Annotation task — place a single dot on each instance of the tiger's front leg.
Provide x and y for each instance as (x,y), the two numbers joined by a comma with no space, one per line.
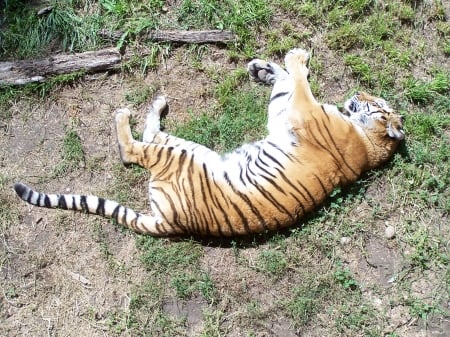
(303,101)
(125,138)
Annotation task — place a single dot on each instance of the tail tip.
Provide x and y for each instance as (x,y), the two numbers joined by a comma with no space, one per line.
(21,189)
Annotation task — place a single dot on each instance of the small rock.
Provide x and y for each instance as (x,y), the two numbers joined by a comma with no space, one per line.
(345,240)
(45,10)
(389,232)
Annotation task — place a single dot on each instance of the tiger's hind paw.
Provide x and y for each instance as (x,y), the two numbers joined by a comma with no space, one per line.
(123,115)
(158,106)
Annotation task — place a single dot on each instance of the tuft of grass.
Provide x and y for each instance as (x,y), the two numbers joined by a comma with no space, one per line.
(420,91)
(359,68)
(72,154)
(272,262)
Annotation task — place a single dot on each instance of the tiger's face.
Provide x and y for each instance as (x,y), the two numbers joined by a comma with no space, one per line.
(373,113)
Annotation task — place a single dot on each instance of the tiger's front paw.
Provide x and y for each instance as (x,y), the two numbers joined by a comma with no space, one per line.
(296,61)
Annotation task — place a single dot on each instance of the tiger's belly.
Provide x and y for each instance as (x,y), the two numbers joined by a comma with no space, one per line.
(218,209)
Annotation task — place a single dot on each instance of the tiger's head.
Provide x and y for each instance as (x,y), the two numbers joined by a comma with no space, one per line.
(375,116)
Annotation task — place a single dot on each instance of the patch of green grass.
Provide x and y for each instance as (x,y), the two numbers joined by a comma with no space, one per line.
(186,284)
(307,300)
(279,42)
(212,323)
(72,154)
(359,68)
(162,254)
(272,262)
(420,91)
(241,17)
(140,94)
(239,116)
(62,28)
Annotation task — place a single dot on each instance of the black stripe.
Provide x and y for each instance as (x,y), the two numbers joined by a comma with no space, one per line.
(286,180)
(101,207)
(115,213)
(325,113)
(124,216)
(307,192)
(158,156)
(30,195)
(222,210)
(244,219)
(337,150)
(262,168)
(205,204)
(83,204)
(168,163)
(325,148)
(247,200)
(176,222)
(325,192)
(47,202)
(272,158)
(276,147)
(278,95)
(213,198)
(62,202)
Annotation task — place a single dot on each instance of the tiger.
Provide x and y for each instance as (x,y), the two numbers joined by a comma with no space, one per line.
(309,150)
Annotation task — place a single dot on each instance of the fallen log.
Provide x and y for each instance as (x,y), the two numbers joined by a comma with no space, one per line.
(28,71)
(188,36)
(181,36)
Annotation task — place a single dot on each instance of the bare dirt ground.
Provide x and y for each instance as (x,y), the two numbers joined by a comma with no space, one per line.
(57,279)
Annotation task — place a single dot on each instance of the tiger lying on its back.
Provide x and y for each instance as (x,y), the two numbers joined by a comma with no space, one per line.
(311,148)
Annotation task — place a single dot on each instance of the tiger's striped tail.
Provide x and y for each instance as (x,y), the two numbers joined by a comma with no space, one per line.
(138,222)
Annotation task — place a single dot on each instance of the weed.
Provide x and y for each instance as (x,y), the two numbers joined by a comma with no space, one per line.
(418,308)
(212,322)
(357,318)
(272,262)
(344,278)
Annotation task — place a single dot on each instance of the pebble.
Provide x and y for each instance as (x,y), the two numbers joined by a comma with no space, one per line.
(345,240)
(389,232)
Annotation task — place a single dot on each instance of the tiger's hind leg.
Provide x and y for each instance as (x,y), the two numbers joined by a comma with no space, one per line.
(153,120)
(272,74)
(152,130)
